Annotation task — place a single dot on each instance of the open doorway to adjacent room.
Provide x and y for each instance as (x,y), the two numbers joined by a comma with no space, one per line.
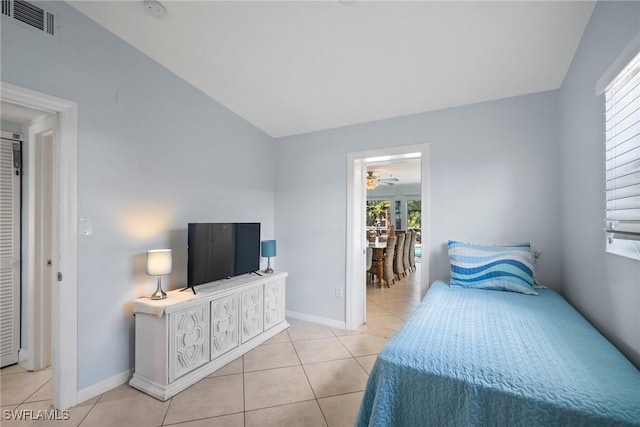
(28,229)
(388,193)
(38,244)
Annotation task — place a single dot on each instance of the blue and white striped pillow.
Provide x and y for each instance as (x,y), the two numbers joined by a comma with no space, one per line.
(502,268)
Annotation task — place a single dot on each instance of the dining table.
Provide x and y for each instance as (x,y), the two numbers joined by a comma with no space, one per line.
(378,248)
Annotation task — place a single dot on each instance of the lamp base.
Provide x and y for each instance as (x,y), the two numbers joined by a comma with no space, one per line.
(159,293)
(268,270)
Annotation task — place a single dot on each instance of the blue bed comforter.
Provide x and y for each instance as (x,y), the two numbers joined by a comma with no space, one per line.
(471,357)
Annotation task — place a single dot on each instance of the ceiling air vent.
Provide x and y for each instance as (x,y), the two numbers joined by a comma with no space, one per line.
(28,14)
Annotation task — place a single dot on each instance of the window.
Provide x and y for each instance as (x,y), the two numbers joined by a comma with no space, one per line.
(414,212)
(378,218)
(622,167)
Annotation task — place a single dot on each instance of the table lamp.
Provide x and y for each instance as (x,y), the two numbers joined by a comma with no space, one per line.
(268,251)
(158,264)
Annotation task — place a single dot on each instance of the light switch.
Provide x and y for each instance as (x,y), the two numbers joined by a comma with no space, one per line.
(86,227)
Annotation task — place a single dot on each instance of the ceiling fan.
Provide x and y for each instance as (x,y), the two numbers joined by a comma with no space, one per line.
(373,181)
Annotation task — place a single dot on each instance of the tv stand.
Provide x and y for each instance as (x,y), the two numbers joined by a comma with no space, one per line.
(185,337)
(256,273)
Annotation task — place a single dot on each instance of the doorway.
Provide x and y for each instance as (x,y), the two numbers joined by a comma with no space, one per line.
(28,170)
(357,238)
(55,136)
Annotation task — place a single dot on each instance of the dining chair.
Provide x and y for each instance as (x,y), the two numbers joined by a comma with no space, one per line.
(405,254)
(398,265)
(387,266)
(412,251)
(369,263)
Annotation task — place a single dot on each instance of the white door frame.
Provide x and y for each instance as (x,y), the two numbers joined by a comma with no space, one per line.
(40,237)
(356,302)
(64,324)
(356,236)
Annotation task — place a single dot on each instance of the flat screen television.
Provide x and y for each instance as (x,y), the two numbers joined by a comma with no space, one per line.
(221,251)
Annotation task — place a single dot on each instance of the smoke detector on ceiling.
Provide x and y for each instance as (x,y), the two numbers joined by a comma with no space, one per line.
(155,9)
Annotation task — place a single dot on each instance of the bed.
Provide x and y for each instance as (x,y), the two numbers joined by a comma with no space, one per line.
(476,357)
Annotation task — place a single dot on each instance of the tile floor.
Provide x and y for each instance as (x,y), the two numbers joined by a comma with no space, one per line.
(308,375)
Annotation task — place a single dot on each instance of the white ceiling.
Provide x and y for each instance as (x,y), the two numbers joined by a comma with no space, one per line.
(403,167)
(299,66)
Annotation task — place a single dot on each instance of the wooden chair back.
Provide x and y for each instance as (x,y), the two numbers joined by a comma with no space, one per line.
(398,265)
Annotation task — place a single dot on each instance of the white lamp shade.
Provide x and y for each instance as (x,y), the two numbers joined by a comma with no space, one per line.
(159,262)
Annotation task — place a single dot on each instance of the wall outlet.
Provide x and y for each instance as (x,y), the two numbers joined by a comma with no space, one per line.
(339,292)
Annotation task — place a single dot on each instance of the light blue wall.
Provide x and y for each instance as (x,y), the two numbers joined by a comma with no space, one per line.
(168,156)
(494,179)
(605,288)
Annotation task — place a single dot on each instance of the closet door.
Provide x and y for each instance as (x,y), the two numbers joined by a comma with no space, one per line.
(9,250)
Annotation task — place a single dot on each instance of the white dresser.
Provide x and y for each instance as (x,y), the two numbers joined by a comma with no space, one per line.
(186,337)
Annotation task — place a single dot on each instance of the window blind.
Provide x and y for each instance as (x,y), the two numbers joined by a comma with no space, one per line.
(622,167)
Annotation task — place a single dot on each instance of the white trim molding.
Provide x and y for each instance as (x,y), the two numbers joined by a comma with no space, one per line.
(315,319)
(103,386)
(38,279)
(618,65)
(23,358)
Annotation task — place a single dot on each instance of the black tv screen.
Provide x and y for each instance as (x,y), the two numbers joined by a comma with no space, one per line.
(221,250)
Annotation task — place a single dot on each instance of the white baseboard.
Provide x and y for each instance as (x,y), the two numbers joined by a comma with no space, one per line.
(106,385)
(23,360)
(316,319)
